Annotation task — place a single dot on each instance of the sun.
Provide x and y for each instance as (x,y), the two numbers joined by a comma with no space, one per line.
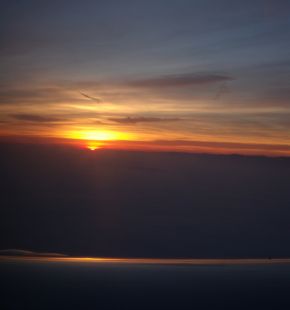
(93,145)
(97,139)
(98,135)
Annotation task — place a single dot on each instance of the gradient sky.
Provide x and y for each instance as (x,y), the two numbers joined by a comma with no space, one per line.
(209,76)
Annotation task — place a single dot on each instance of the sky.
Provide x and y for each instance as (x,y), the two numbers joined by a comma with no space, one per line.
(164,79)
(189,76)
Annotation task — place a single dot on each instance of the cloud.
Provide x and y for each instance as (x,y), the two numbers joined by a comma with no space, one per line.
(35,95)
(98,100)
(34,118)
(135,120)
(226,145)
(111,91)
(17,252)
(180,80)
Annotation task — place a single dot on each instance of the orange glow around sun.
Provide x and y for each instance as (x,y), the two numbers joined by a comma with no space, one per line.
(97,135)
(96,139)
(94,145)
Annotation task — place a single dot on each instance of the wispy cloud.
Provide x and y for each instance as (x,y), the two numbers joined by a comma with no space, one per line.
(36,95)
(35,118)
(98,100)
(135,120)
(17,252)
(112,91)
(180,80)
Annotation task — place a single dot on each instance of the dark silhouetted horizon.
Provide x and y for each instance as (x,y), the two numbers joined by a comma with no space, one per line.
(136,204)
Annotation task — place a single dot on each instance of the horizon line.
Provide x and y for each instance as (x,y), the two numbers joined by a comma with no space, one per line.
(151,261)
(161,146)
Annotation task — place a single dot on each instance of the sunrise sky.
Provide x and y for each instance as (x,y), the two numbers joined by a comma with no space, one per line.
(149,129)
(148,75)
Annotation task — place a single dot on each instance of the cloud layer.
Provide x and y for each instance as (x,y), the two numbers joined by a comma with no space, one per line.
(180,80)
(17,252)
(35,118)
(142,119)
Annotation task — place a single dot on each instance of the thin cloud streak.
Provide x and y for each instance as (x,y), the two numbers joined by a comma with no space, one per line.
(35,118)
(136,120)
(26,253)
(180,80)
(98,100)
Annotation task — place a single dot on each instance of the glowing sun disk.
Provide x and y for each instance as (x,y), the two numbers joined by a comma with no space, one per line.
(94,145)
(98,135)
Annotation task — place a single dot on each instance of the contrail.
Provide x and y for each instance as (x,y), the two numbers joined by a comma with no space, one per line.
(98,100)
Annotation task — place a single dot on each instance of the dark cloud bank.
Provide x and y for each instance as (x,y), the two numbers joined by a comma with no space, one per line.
(180,80)
(34,118)
(130,204)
